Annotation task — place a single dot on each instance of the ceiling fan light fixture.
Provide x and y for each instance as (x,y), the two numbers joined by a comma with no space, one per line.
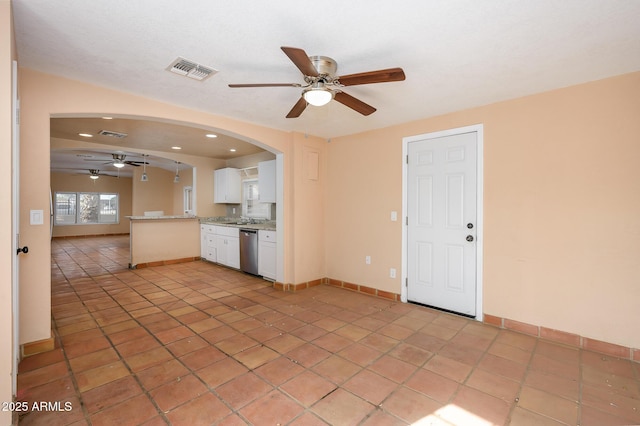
(94,177)
(118,164)
(317,94)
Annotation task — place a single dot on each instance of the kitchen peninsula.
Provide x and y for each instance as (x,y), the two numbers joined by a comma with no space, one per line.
(157,240)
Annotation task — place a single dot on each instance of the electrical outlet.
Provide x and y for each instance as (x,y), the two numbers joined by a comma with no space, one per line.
(367,260)
(392,273)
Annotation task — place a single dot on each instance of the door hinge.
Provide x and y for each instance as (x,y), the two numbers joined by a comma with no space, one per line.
(406,220)
(406,282)
(407,159)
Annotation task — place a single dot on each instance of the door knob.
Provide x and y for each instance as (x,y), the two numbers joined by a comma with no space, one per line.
(24,250)
(470,225)
(469,238)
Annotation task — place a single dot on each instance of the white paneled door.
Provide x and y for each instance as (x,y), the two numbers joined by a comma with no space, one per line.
(441,228)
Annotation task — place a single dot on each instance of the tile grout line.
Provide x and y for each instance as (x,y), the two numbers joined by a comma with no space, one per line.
(120,357)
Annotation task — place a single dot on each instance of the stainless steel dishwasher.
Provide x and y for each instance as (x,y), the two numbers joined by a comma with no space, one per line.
(249,251)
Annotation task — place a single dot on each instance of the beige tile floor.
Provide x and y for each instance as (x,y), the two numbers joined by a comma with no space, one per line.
(199,344)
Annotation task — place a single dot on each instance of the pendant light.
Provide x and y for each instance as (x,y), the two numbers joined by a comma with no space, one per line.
(144,177)
(176,179)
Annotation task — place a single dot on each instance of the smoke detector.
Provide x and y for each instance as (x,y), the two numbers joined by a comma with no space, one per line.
(191,69)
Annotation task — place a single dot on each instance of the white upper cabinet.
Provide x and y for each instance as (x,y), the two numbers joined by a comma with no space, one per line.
(267,181)
(227,186)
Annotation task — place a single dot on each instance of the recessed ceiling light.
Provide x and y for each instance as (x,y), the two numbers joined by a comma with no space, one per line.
(85,135)
(176,147)
(211,135)
(107,118)
(232,150)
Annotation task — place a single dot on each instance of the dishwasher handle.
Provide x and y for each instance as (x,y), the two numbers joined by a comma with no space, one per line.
(249,231)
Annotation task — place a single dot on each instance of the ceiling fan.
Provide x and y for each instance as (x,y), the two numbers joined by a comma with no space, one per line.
(92,173)
(95,174)
(118,161)
(322,84)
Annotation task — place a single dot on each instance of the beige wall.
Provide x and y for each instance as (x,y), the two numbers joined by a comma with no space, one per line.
(308,198)
(160,193)
(155,194)
(81,183)
(7,54)
(561,207)
(154,240)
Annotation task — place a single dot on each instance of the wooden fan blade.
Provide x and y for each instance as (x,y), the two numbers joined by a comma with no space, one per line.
(266,85)
(301,60)
(380,76)
(354,103)
(297,108)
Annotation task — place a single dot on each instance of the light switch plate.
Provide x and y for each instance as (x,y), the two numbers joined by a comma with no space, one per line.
(394,216)
(36,217)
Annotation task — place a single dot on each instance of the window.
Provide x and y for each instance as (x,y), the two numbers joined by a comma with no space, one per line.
(251,205)
(188,200)
(73,208)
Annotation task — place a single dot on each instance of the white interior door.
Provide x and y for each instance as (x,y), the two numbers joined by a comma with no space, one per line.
(15,217)
(442,225)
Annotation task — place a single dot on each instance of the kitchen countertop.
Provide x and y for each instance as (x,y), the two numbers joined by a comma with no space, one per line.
(161,217)
(236,223)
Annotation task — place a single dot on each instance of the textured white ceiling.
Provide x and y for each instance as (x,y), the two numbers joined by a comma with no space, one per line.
(456,54)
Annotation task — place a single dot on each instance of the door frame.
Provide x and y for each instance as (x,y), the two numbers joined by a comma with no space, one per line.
(15,219)
(479,130)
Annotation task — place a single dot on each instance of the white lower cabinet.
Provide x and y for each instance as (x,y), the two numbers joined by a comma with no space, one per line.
(208,243)
(228,246)
(221,244)
(267,254)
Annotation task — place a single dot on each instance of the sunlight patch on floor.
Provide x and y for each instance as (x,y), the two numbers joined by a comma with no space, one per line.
(452,415)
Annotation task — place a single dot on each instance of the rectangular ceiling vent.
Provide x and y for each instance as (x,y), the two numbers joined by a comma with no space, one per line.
(190,69)
(112,134)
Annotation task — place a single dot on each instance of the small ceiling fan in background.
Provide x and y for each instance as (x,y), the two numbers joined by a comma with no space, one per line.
(95,174)
(119,161)
(92,173)
(322,84)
